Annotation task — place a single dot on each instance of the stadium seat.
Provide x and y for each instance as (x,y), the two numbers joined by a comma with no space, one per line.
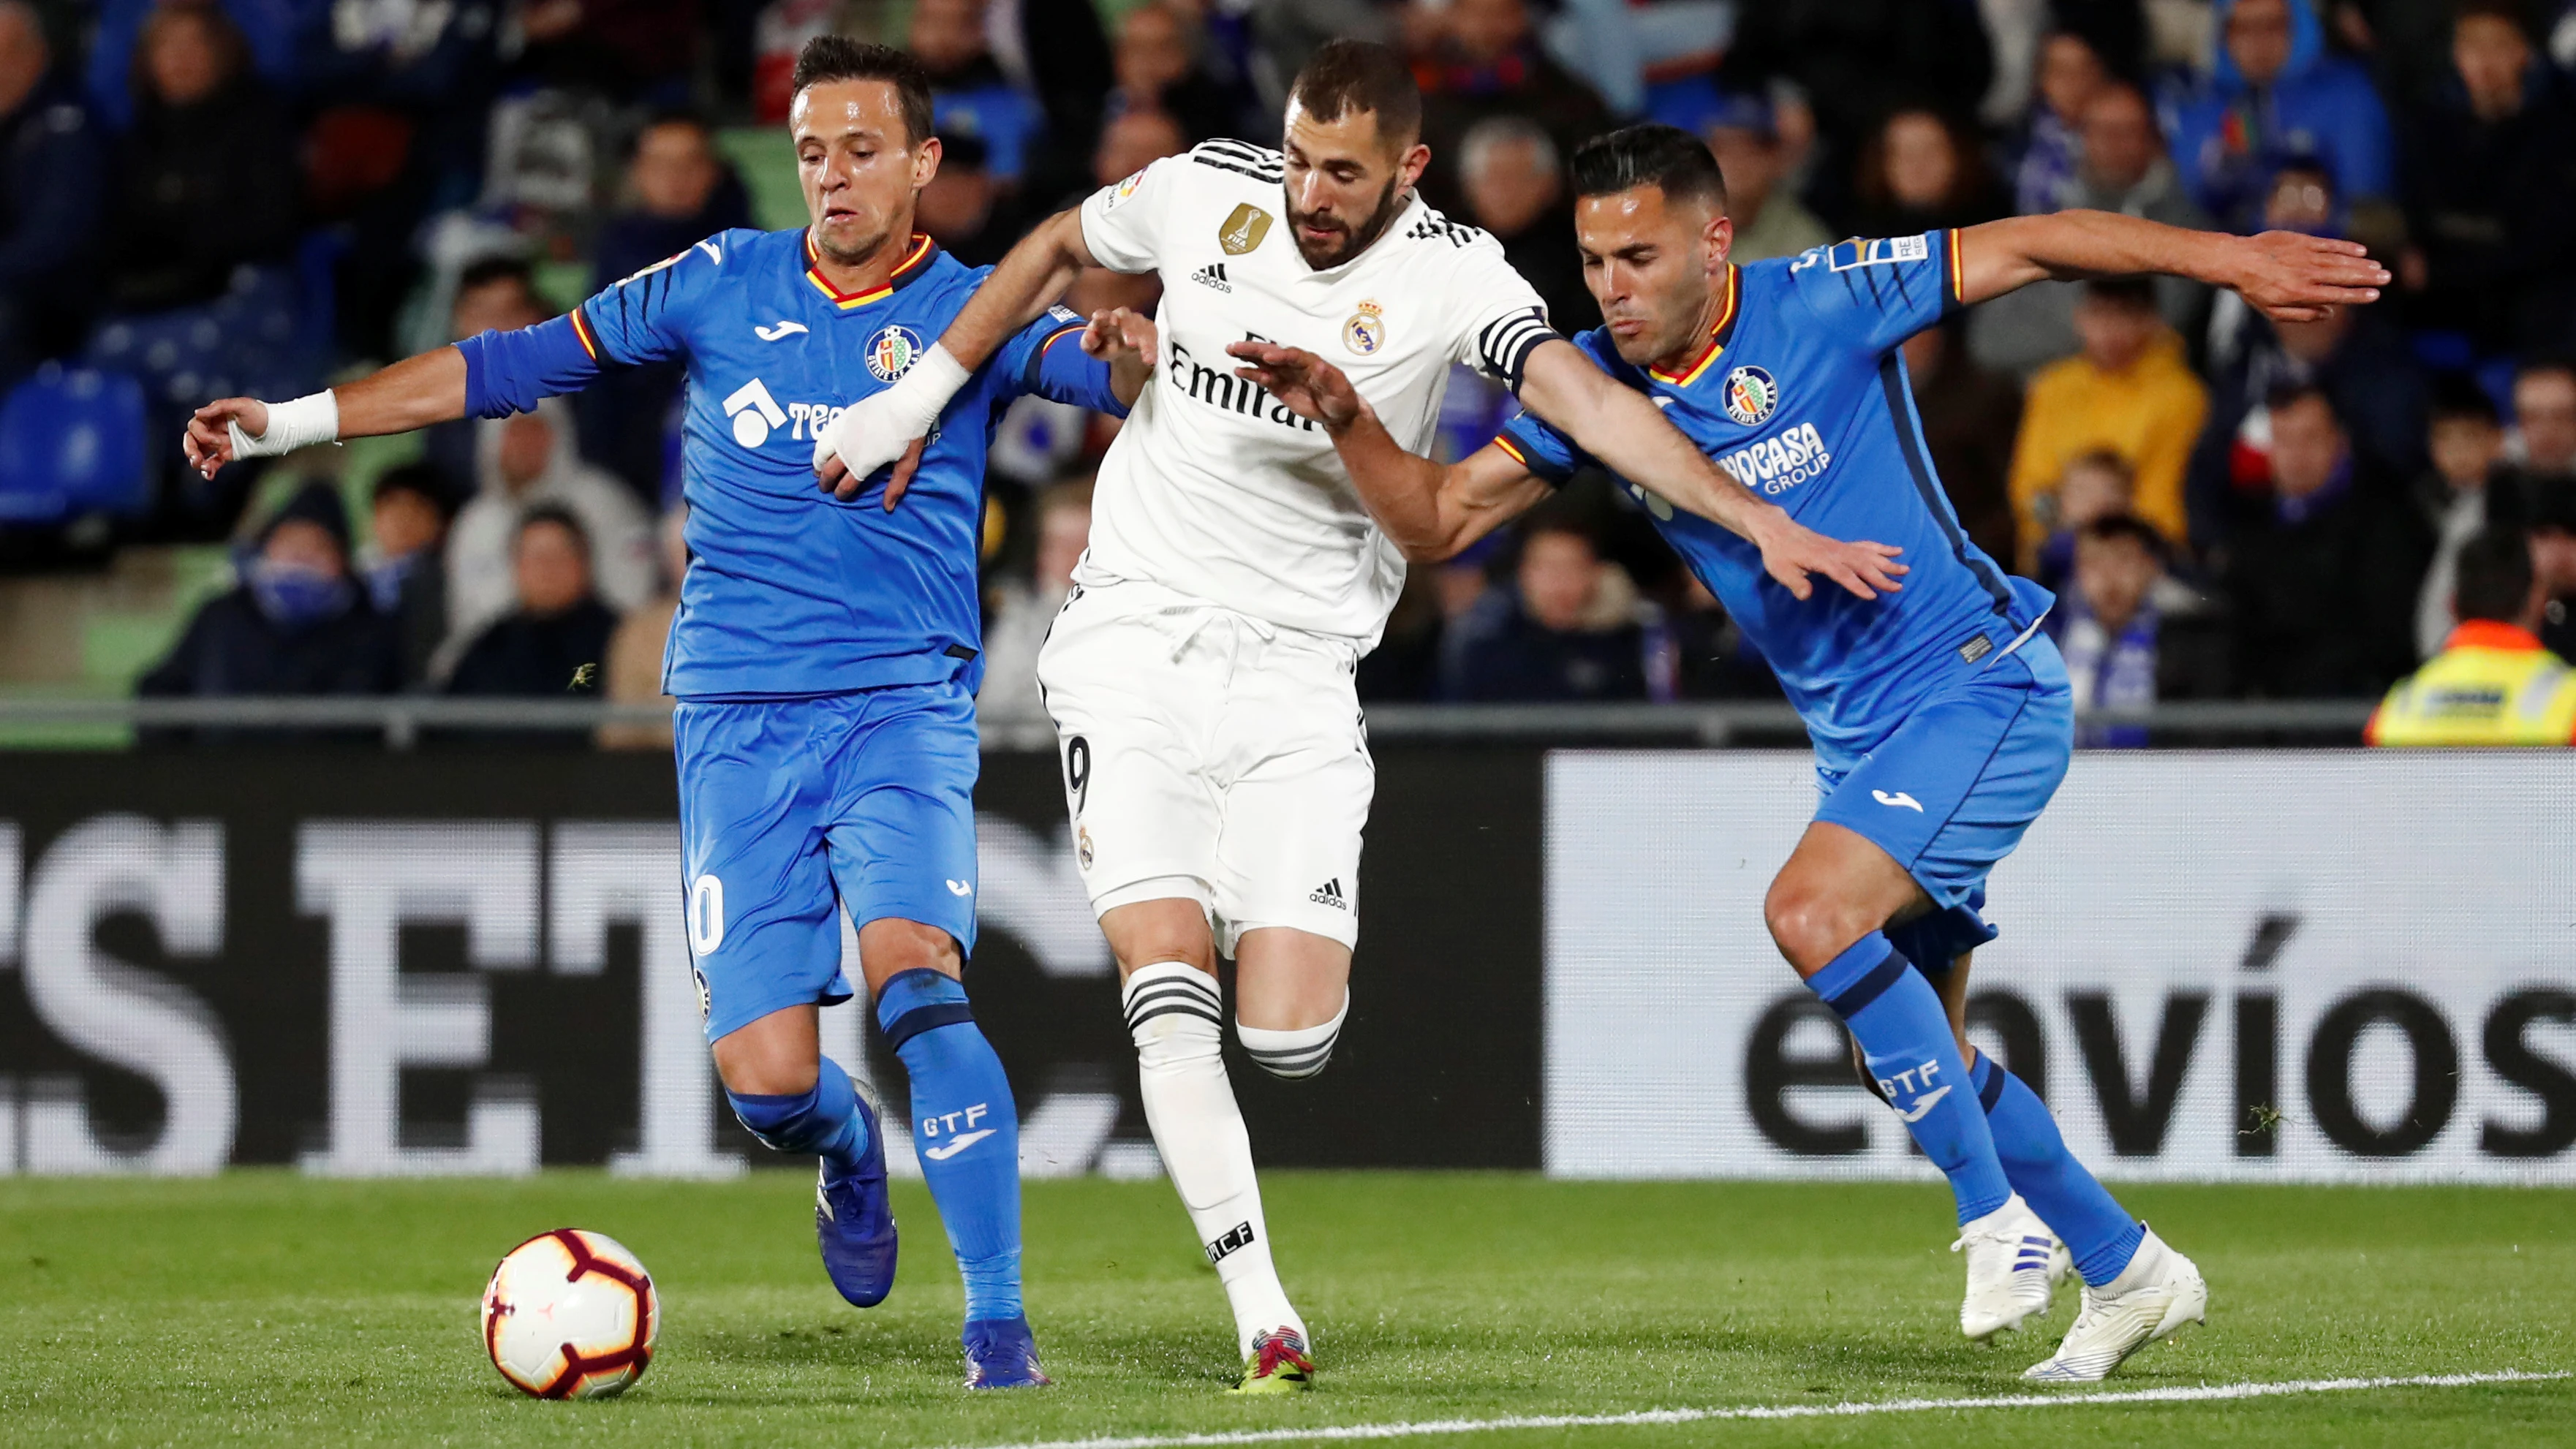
(72,442)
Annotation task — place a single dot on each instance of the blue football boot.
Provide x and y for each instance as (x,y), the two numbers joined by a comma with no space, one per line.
(854,1221)
(1000,1354)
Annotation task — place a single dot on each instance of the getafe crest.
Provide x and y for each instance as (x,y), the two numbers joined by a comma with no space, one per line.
(891,352)
(1751,395)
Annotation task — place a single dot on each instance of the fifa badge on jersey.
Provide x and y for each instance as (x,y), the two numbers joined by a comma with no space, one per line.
(892,351)
(1082,846)
(1751,395)
(1244,228)
(1365,333)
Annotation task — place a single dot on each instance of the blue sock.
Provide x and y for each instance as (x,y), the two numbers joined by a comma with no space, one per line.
(823,1120)
(1896,1016)
(2098,1231)
(966,1131)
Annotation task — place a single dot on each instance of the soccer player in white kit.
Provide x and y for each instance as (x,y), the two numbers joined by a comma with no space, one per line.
(1200,675)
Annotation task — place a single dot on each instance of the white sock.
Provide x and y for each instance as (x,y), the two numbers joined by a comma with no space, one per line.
(1177,1019)
(1297,1054)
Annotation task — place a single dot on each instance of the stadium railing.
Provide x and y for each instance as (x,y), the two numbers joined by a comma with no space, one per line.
(401,720)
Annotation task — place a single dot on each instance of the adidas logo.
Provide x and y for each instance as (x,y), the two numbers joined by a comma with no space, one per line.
(1330,894)
(1212,275)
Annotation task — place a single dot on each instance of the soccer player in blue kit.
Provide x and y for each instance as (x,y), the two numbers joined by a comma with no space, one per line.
(825,653)
(1940,714)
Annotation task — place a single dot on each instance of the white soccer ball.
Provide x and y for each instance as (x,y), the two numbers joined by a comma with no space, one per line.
(571,1315)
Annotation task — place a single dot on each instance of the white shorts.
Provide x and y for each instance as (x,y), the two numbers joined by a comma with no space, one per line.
(1209,756)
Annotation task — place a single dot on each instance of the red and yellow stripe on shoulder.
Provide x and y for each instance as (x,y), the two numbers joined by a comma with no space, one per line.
(1505,443)
(1954,276)
(581,330)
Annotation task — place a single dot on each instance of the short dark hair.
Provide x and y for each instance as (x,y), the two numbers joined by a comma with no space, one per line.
(2458,396)
(1360,75)
(2540,362)
(2290,394)
(2495,575)
(2508,11)
(2112,526)
(1649,155)
(2137,294)
(423,480)
(556,514)
(838,58)
(498,268)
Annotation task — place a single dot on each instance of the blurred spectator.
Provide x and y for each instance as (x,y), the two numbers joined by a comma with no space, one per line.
(2364,366)
(2274,93)
(1970,417)
(553,640)
(2542,447)
(1017,613)
(1158,68)
(270,29)
(2124,169)
(1058,55)
(1646,59)
(1128,144)
(51,185)
(2052,144)
(2131,633)
(2457,499)
(297,624)
(1515,189)
(2553,563)
(2322,568)
(1852,59)
(206,178)
(1565,628)
(2128,391)
(2493,683)
(522,462)
(2095,486)
(970,96)
(1920,171)
(1744,134)
(680,192)
(1487,63)
(405,562)
(2301,199)
(1705,654)
(2491,181)
(496,294)
(967,208)
(643,638)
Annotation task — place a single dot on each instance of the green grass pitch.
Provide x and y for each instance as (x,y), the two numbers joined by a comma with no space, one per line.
(267,1308)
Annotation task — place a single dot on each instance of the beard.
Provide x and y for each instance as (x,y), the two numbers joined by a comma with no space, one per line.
(1353,241)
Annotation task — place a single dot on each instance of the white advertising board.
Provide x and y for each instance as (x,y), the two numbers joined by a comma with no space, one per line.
(2291,966)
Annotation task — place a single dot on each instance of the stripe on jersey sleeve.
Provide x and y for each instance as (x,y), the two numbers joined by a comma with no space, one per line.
(1504,346)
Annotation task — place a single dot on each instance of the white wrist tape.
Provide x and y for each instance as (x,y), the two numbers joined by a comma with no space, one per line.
(300,423)
(936,378)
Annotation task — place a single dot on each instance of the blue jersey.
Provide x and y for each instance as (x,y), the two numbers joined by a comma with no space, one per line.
(1800,393)
(792,593)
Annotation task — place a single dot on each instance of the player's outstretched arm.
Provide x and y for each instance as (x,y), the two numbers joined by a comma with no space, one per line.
(881,429)
(413,393)
(2290,276)
(1427,510)
(1621,427)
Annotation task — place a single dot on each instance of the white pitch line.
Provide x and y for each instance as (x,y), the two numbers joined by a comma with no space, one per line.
(1424,1427)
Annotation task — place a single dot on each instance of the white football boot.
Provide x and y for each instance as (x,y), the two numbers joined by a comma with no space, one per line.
(2010,1254)
(2157,1293)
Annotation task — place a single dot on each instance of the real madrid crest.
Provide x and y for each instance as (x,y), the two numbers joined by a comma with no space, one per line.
(892,351)
(1244,228)
(1365,333)
(1750,395)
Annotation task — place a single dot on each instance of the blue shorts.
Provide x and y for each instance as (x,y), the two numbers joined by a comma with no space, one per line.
(1951,791)
(791,809)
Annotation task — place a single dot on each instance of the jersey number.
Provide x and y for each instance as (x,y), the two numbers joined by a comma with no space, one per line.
(706,915)
(1077,771)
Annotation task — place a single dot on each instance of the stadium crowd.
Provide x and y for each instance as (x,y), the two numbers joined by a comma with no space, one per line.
(221,196)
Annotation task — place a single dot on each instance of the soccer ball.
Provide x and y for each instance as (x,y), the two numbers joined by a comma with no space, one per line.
(571,1315)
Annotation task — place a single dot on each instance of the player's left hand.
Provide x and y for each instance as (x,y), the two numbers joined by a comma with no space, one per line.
(1117,332)
(1791,552)
(2293,277)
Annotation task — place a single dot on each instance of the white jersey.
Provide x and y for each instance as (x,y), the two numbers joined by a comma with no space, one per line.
(1214,489)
